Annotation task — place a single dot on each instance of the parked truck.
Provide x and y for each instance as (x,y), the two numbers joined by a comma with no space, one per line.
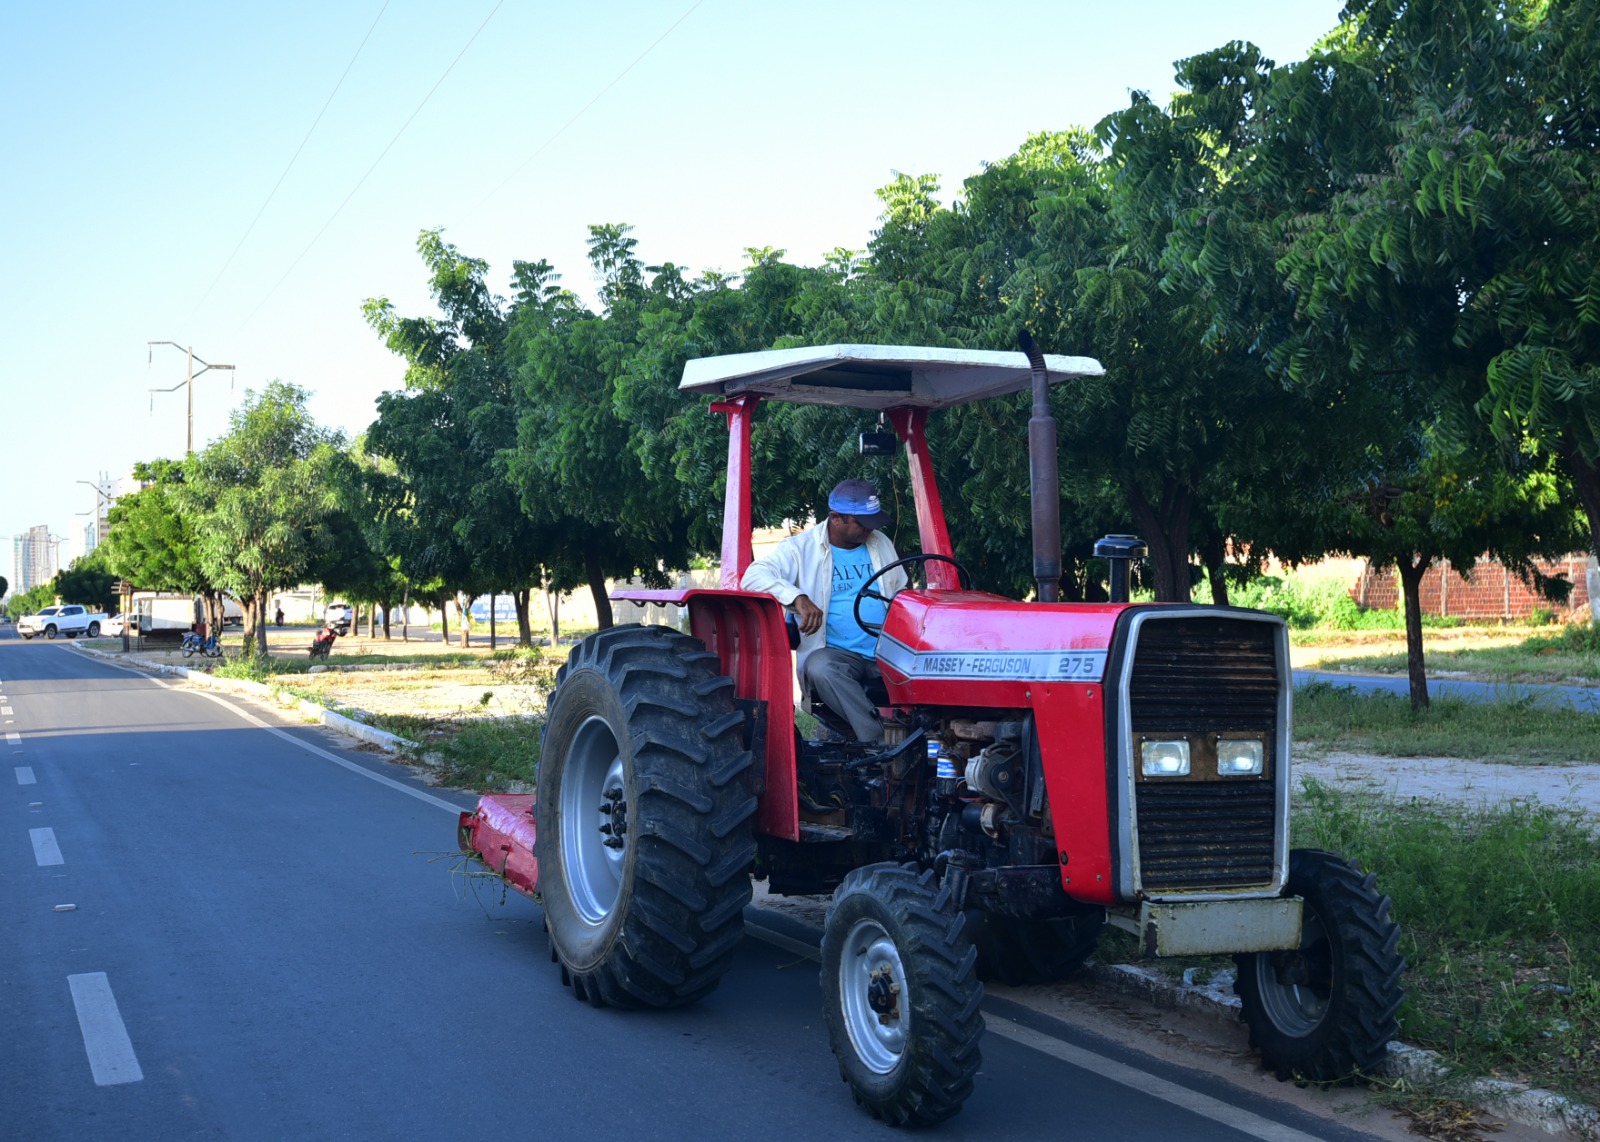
(155,612)
(68,621)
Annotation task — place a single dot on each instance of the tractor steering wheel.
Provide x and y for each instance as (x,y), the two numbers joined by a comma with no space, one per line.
(963,577)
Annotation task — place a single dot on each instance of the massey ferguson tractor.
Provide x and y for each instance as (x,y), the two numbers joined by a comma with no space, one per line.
(1048,768)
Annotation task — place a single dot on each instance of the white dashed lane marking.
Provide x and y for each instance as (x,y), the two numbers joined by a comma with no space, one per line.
(105,1038)
(25,775)
(13,738)
(45,849)
(6,710)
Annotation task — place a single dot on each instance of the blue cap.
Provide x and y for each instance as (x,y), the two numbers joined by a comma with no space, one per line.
(860,499)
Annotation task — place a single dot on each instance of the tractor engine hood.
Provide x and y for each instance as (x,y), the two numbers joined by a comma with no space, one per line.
(971,648)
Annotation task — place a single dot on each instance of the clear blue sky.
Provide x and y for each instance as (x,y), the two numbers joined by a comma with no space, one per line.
(141,140)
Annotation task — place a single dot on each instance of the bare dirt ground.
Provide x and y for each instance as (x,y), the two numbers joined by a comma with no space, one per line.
(1457,780)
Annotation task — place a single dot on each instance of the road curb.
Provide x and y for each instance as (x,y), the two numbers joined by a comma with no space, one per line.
(311,711)
(1528,1106)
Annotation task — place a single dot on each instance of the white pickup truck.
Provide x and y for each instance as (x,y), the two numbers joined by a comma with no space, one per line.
(65,621)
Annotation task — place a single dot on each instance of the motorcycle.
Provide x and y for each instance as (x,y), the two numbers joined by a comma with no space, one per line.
(322,644)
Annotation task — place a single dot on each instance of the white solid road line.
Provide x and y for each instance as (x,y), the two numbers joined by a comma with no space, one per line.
(1146,1083)
(45,849)
(25,775)
(105,1038)
(1193,1101)
(335,758)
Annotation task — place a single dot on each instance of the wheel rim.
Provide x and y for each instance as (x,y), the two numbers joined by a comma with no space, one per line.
(873,995)
(593,821)
(1295,987)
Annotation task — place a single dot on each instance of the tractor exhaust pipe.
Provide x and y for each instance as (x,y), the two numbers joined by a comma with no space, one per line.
(1044,479)
(1120,551)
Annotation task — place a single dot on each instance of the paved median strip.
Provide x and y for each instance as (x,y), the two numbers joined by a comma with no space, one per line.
(45,849)
(25,775)
(105,1037)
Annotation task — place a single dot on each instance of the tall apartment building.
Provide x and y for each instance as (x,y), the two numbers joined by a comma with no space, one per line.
(33,558)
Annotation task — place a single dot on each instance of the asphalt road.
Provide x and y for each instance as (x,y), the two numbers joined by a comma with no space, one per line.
(1585,698)
(220,924)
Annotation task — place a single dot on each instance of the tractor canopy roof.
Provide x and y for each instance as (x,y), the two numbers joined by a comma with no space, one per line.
(875,376)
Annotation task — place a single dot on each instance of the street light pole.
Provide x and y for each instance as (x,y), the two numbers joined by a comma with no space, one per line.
(189,349)
(103,494)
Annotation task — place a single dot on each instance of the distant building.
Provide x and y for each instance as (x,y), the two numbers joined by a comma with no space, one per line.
(33,558)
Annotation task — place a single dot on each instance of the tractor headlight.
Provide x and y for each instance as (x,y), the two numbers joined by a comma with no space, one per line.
(1240,757)
(1164,758)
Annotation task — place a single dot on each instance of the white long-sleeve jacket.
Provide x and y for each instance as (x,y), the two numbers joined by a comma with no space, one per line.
(803,565)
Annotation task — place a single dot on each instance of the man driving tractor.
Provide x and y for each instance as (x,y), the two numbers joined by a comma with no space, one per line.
(817,574)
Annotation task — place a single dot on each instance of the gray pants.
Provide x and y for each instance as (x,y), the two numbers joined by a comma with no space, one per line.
(839,677)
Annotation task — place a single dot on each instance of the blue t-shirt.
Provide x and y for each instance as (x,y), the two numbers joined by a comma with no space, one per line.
(851,568)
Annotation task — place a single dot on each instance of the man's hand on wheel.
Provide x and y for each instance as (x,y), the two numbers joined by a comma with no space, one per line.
(810,615)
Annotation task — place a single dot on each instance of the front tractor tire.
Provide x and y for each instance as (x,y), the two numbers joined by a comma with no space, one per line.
(900,995)
(1326,1011)
(643,814)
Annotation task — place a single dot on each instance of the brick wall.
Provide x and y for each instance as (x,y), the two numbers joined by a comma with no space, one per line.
(1489,593)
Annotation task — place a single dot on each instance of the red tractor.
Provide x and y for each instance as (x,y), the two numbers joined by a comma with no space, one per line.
(1048,768)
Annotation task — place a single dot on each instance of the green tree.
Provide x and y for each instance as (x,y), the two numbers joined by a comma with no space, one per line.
(577,463)
(88,581)
(445,507)
(152,542)
(261,500)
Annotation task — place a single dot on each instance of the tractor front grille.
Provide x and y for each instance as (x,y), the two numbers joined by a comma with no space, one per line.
(1195,676)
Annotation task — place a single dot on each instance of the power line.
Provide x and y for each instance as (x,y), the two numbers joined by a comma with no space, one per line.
(290,166)
(562,129)
(340,209)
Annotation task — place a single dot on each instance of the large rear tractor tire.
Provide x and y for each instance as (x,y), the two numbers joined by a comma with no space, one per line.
(643,815)
(1326,1010)
(1018,953)
(900,995)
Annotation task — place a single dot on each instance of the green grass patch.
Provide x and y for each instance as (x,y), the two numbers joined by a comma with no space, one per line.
(1565,654)
(1513,731)
(485,754)
(1500,913)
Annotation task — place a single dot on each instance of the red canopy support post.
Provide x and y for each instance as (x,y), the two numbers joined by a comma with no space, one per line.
(910,425)
(737,553)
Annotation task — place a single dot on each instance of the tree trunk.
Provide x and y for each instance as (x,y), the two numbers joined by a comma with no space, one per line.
(519,599)
(553,603)
(444,618)
(1214,552)
(464,619)
(494,632)
(387,616)
(405,616)
(597,588)
(258,617)
(1411,569)
(1165,530)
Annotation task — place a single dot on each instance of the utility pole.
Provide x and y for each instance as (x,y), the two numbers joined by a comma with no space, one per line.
(189,349)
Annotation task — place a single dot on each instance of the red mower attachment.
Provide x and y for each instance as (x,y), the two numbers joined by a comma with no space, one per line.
(500,834)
